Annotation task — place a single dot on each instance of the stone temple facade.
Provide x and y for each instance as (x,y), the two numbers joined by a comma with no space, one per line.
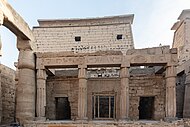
(182,43)
(85,35)
(86,72)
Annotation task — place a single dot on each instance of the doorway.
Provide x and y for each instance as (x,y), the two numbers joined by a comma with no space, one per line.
(63,109)
(146,108)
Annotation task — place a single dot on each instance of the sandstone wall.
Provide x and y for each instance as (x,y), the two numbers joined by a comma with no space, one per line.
(140,86)
(7,91)
(147,86)
(103,86)
(182,41)
(61,87)
(96,34)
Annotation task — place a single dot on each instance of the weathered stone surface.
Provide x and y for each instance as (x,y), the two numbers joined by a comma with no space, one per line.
(96,34)
(179,123)
(62,87)
(7,94)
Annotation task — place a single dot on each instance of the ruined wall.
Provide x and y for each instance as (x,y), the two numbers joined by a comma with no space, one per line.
(7,90)
(96,34)
(140,86)
(147,86)
(182,41)
(103,86)
(61,87)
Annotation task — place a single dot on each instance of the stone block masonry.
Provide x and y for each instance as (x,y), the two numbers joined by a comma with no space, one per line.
(7,94)
(85,35)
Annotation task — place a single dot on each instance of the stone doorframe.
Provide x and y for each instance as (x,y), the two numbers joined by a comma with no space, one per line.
(82,61)
(25,92)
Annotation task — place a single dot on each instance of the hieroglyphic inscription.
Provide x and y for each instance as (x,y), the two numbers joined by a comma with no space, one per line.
(160,59)
(138,59)
(96,60)
(63,61)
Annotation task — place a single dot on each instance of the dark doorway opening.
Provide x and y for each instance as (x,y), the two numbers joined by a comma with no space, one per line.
(146,108)
(63,109)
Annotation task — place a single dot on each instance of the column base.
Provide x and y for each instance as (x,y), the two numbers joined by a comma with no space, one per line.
(170,119)
(123,120)
(42,119)
(82,120)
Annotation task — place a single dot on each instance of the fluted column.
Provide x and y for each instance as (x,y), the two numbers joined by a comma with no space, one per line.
(25,108)
(170,92)
(41,94)
(124,93)
(82,94)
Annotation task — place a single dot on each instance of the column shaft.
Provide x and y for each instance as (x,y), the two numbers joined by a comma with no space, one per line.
(171,92)
(25,92)
(41,93)
(82,94)
(124,93)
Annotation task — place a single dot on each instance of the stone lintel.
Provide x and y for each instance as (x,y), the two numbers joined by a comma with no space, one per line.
(14,22)
(41,74)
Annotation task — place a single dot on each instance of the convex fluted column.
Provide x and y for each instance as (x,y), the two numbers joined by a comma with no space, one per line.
(170,91)
(25,101)
(41,94)
(82,94)
(124,93)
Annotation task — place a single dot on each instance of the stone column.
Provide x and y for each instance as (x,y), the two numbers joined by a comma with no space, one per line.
(186,108)
(82,94)
(124,93)
(25,108)
(41,94)
(170,92)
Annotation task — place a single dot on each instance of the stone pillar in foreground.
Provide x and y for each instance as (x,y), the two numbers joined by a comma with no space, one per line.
(170,92)
(186,108)
(82,94)
(124,93)
(25,101)
(41,94)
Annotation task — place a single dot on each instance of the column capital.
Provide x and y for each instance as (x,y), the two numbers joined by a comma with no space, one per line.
(26,59)
(124,72)
(23,44)
(82,71)
(82,66)
(41,74)
(125,64)
(39,63)
(171,71)
(169,64)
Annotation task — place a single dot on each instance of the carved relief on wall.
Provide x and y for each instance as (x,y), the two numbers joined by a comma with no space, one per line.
(138,59)
(63,61)
(159,58)
(92,60)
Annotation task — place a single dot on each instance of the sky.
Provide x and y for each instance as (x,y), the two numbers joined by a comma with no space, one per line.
(153,19)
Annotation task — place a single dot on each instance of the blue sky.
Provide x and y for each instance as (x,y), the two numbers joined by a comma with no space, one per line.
(152,22)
